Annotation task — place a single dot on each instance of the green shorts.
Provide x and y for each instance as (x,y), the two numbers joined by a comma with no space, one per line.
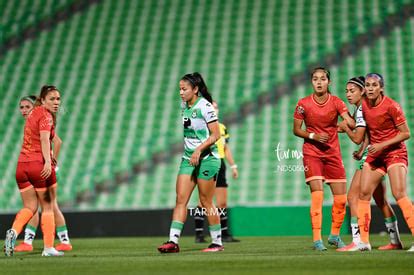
(207,168)
(361,162)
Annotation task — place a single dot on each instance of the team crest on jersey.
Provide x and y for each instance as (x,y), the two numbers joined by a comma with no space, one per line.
(300,110)
(194,114)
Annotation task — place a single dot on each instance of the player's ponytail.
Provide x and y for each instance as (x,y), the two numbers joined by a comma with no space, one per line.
(196,80)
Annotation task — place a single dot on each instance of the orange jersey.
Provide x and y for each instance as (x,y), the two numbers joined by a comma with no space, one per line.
(38,120)
(321,118)
(382,121)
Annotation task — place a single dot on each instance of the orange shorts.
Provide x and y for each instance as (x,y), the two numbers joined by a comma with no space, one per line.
(330,168)
(28,176)
(386,160)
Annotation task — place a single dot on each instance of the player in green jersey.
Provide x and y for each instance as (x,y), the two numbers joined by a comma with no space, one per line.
(200,162)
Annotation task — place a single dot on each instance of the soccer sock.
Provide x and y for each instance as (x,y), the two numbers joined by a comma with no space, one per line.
(392,228)
(408,212)
(29,234)
(199,221)
(175,231)
(63,235)
(356,238)
(215,233)
(338,213)
(364,219)
(223,222)
(48,229)
(316,214)
(22,217)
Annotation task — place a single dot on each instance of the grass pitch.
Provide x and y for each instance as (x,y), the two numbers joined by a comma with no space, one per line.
(253,255)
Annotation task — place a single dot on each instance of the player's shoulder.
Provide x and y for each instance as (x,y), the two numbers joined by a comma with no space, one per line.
(336,99)
(204,103)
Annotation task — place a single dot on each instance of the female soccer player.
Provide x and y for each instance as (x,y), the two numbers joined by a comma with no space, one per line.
(224,152)
(322,154)
(200,163)
(355,94)
(26,106)
(387,153)
(34,173)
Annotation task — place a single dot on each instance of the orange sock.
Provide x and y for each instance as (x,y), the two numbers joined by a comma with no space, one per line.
(22,217)
(338,213)
(408,211)
(364,219)
(48,229)
(316,214)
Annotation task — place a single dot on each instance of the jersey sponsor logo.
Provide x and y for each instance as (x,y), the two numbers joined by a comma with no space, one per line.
(194,114)
(205,172)
(300,110)
(186,122)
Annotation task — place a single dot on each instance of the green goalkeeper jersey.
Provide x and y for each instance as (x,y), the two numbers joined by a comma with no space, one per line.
(195,121)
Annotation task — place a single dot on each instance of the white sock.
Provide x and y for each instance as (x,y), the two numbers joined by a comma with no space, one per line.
(29,235)
(392,228)
(215,233)
(175,231)
(356,238)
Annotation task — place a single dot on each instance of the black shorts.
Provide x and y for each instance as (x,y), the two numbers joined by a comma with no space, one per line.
(221,178)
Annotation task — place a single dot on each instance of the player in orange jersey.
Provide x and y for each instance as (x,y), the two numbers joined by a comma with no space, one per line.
(387,153)
(26,106)
(321,153)
(355,93)
(35,175)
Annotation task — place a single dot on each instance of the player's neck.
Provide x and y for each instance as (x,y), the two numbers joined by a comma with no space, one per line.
(320,98)
(191,102)
(375,102)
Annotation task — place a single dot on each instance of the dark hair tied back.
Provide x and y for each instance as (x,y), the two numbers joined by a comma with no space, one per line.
(196,80)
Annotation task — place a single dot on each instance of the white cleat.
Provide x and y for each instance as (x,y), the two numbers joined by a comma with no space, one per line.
(52,252)
(10,242)
(364,246)
(411,249)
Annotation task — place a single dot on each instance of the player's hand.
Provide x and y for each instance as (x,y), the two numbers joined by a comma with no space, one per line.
(357,155)
(46,171)
(235,173)
(340,130)
(195,157)
(342,126)
(375,148)
(322,138)
(54,162)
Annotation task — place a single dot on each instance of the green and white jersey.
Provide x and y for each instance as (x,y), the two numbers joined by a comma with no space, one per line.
(195,120)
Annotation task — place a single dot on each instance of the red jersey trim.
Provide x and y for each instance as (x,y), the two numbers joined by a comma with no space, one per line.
(323,104)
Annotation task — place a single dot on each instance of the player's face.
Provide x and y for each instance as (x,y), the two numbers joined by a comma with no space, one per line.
(353,93)
(320,82)
(52,101)
(187,92)
(373,88)
(25,107)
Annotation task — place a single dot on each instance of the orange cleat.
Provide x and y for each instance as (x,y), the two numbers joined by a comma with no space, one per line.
(391,246)
(23,247)
(64,247)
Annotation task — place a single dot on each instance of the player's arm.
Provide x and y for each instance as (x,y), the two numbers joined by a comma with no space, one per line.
(404,134)
(214,136)
(357,135)
(299,132)
(57,143)
(45,145)
(358,154)
(349,120)
(229,157)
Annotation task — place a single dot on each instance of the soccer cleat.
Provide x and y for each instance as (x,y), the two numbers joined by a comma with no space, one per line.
(229,239)
(364,246)
(391,246)
(10,242)
(213,248)
(335,240)
(411,249)
(23,247)
(169,247)
(51,252)
(200,239)
(318,246)
(64,247)
(349,248)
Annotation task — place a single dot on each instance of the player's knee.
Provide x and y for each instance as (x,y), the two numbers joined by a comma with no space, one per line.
(399,193)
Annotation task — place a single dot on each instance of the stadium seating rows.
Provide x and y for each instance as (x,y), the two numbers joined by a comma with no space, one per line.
(118,64)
